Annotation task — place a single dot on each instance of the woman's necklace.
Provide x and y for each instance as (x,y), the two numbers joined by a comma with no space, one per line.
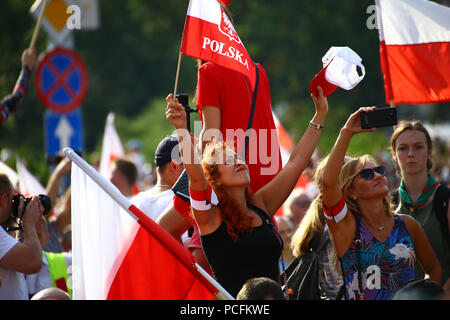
(380,227)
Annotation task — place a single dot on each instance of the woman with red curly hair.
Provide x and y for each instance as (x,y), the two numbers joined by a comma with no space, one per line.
(237,236)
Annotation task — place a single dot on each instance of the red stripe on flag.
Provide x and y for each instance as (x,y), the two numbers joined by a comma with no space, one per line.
(203,40)
(416,73)
(156,266)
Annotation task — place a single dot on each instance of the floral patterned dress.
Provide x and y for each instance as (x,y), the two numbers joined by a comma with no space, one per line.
(386,266)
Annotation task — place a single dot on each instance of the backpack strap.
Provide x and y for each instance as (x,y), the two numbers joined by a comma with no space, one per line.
(358,243)
(440,206)
(252,112)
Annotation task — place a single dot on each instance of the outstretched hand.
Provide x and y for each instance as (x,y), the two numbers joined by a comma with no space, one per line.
(353,124)
(175,113)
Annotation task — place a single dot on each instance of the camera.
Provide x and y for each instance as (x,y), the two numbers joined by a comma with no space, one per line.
(44,199)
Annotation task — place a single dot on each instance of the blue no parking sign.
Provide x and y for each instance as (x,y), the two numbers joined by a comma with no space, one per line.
(63,130)
(61,80)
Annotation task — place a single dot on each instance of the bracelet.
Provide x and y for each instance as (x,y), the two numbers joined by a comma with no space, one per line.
(316,126)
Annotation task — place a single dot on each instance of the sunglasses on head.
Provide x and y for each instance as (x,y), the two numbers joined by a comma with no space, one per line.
(368,174)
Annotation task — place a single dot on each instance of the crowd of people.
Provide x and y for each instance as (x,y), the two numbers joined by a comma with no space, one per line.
(383,222)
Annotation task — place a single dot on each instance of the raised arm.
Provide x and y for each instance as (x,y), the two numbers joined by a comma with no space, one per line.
(278,189)
(343,230)
(191,158)
(9,104)
(211,125)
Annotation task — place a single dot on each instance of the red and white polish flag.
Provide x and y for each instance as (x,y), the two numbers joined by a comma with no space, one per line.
(120,253)
(414,50)
(209,35)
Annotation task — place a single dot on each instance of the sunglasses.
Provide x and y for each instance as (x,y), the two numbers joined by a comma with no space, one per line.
(368,174)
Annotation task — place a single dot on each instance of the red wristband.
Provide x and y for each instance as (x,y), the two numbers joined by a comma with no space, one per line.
(336,213)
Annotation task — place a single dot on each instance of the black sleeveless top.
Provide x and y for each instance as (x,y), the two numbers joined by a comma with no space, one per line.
(255,254)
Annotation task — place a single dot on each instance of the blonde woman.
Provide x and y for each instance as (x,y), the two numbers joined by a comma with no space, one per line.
(377,248)
(312,228)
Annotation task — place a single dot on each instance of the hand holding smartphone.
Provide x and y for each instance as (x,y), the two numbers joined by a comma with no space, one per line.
(383,117)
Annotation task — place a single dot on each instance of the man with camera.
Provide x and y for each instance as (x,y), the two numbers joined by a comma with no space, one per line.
(18,257)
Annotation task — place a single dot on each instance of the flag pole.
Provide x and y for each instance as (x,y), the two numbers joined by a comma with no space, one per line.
(222,294)
(38,25)
(177,76)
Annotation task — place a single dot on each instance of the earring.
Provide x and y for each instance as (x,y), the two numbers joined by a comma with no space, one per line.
(354,198)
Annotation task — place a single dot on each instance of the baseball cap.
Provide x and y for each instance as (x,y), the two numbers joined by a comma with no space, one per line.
(339,71)
(163,153)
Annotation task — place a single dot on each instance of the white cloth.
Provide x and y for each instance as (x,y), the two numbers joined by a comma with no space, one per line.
(12,283)
(341,70)
(153,204)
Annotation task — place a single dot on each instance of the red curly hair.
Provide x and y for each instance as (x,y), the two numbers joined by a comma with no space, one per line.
(236,219)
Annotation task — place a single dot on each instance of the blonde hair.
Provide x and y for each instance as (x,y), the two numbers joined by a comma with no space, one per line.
(313,222)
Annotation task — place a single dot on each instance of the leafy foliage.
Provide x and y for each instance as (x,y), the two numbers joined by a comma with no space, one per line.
(131,61)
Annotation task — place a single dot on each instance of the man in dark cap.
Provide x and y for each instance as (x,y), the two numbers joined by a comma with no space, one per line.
(168,168)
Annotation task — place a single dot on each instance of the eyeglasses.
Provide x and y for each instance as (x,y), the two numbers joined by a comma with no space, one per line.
(369,173)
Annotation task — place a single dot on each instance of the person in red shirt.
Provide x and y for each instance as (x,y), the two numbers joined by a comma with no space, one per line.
(224,99)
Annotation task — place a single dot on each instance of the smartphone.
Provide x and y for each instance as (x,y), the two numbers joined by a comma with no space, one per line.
(183,99)
(383,117)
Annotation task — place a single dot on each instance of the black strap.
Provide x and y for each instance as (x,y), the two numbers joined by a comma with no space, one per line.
(252,112)
(266,220)
(358,243)
(440,206)
(341,292)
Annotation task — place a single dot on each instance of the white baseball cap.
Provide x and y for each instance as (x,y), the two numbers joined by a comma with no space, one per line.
(339,70)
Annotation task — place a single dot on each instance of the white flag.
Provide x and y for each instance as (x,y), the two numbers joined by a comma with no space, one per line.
(112,147)
(98,226)
(28,184)
(12,175)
